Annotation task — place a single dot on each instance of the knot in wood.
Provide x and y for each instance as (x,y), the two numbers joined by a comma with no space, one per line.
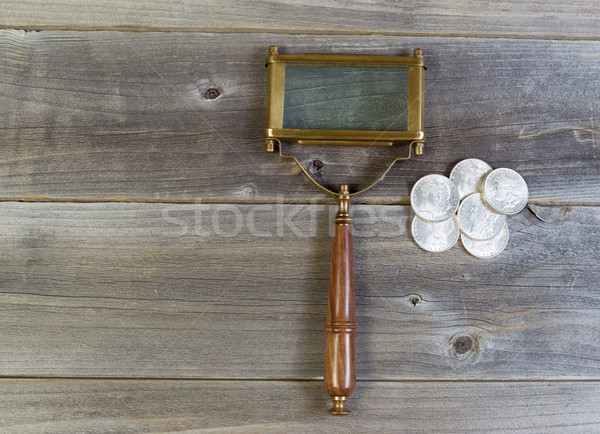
(315,167)
(463,344)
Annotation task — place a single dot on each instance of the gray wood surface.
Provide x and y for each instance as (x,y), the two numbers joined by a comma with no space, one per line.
(267,406)
(224,291)
(552,18)
(187,290)
(96,116)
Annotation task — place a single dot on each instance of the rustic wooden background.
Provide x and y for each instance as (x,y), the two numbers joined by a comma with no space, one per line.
(161,272)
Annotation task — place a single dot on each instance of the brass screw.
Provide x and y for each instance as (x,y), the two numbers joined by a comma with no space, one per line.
(270,145)
(418,52)
(273,49)
(418,148)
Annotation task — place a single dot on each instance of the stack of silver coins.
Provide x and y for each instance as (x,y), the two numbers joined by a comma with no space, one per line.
(471,205)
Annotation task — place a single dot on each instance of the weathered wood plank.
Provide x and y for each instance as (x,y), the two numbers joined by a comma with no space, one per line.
(250,406)
(579,18)
(222,291)
(120,116)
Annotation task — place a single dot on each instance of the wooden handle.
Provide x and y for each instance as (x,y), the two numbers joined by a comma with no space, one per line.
(340,326)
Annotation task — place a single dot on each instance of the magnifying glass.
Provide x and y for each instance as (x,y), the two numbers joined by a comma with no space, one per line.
(347,107)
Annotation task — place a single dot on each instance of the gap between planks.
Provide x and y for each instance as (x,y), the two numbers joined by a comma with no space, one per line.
(287,31)
(324,200)
(561,379)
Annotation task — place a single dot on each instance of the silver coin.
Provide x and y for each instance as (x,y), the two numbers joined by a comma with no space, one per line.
(505,191)
(477,220)
(486,248)
(468,176)
(435,236)
(434,198)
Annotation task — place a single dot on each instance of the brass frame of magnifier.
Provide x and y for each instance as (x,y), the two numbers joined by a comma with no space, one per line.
(340,324)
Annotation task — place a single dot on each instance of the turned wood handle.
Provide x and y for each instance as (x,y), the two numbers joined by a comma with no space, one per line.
(340,326)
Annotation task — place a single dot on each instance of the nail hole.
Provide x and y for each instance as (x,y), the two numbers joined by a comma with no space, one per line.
(415,299)
(211,93)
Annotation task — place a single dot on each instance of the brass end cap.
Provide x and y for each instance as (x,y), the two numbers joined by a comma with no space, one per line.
(270,145)
(339,406)
(418,52)
(419,148)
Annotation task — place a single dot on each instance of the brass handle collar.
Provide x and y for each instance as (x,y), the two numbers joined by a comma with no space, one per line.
(343,199)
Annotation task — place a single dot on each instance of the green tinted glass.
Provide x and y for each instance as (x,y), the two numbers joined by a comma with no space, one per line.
(345,98)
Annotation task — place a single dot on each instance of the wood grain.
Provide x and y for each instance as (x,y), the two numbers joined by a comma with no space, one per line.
(221,291)
(97,116)
(157,101)
(340,324)
(580,18)
(251,406)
